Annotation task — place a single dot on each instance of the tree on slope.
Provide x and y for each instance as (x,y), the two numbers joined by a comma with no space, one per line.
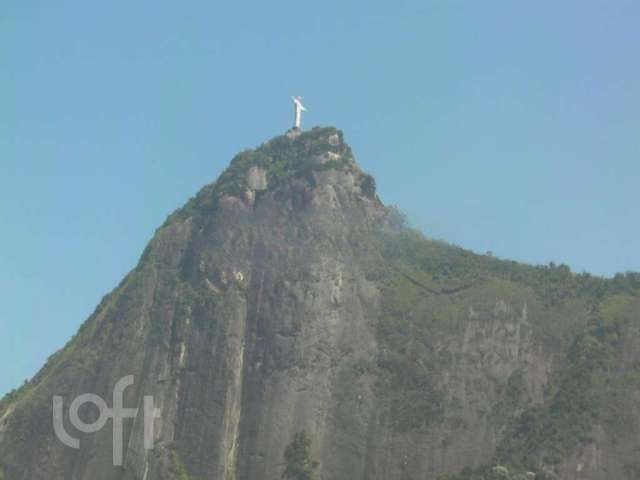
(297,459)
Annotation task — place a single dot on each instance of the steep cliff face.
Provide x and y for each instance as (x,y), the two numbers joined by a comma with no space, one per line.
(285,297)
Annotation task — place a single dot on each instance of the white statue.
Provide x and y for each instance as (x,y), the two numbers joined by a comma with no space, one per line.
(299,108)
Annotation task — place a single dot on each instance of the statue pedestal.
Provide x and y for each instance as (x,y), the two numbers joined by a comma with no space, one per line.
(293,132)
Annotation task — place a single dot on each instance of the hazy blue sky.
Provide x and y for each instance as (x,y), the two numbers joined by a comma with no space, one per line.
(508,126)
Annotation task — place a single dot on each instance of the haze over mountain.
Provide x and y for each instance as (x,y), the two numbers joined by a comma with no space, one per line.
(285,302)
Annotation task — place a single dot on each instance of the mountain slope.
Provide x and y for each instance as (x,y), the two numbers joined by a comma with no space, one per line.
(285,297)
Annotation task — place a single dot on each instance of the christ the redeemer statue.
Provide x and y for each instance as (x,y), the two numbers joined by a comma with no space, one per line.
(299,108)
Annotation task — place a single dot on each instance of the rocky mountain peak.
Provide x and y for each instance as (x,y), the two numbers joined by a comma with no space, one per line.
(316,163)
(273,306)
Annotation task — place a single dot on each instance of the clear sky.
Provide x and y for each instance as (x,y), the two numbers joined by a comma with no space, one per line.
(508,126)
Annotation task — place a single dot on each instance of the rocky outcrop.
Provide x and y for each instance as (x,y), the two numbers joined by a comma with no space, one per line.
(283,298)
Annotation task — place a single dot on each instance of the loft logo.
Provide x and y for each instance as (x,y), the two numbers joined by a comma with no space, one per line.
(118,413)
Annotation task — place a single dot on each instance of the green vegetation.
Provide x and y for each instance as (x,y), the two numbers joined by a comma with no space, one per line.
(177,470)
(11,397)
(429,290)
(408,359)
(498,472)
(57,357)
(368,185)
(510,398)
(283,158)
(552,283)
(546,434)
(28,387)
(421,281)
(297,457)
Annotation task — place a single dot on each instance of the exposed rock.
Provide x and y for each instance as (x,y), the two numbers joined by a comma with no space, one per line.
(257,178)
(293,133)
(334,139)
(262,309)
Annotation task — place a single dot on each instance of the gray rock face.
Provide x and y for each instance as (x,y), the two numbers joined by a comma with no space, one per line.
(257,178)
(250,319)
